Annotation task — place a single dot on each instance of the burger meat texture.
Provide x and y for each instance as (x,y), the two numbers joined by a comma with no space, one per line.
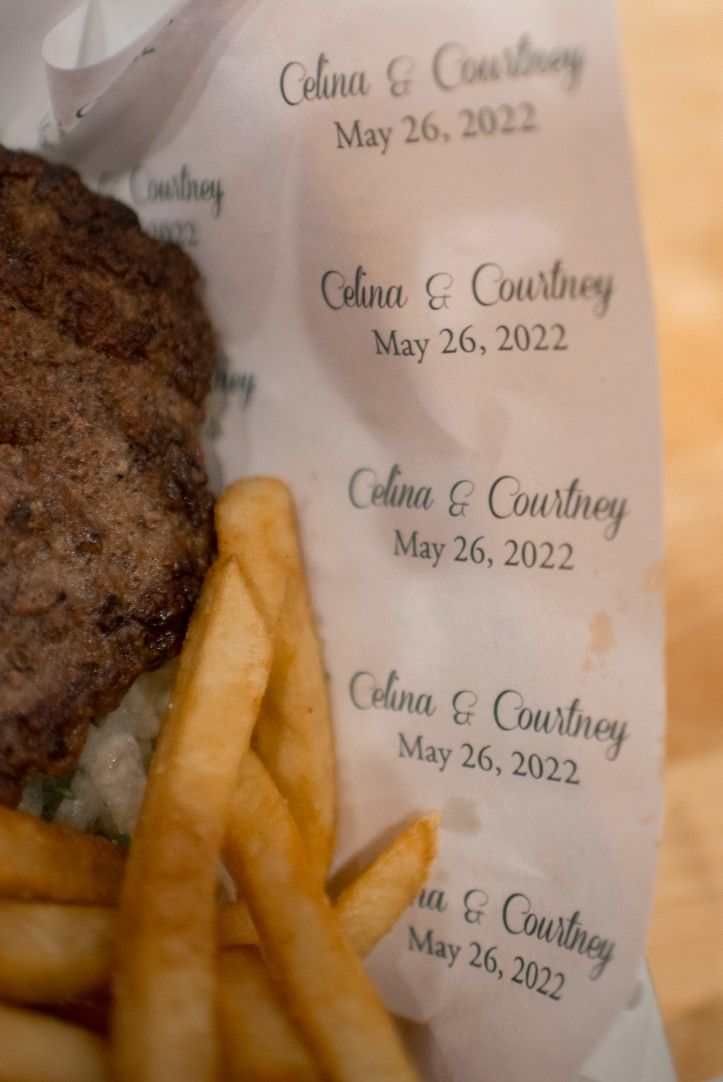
(105,514)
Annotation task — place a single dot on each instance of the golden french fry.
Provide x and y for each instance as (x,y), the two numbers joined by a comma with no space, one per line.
(375,900)
(51,953)
(41,860)
(259,1040)
(37,1048)
(372,904)
(164,1018)
(323,981)
(234,926)
(56,953)
(255,522)
(293,735)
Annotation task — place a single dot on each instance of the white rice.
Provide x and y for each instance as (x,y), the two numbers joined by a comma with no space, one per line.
(104,794)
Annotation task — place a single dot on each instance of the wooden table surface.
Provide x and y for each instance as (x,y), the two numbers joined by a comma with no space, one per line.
(673,57)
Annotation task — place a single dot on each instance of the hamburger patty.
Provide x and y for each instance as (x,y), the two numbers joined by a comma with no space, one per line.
(105,515)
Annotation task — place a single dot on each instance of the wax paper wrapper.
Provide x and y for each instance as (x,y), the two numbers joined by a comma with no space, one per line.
(417,232)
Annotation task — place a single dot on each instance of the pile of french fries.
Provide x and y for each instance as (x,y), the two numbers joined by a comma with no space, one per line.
(135,967)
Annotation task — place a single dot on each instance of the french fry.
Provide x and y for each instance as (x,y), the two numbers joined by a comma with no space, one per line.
(259,1040)
(55,953)
(164,1018)
(323,981)
(37,1048)
(372,904)
(52,953)
(41,860)
(293,736)
(234,927)
(255,522)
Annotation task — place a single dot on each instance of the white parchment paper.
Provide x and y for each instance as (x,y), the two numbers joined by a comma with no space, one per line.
(417,230)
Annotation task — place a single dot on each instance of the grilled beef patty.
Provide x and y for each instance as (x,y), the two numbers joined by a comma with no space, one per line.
(105,514)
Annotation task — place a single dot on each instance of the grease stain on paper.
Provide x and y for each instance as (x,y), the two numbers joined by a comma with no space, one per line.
(460,817)
(653,579)
(602,638)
